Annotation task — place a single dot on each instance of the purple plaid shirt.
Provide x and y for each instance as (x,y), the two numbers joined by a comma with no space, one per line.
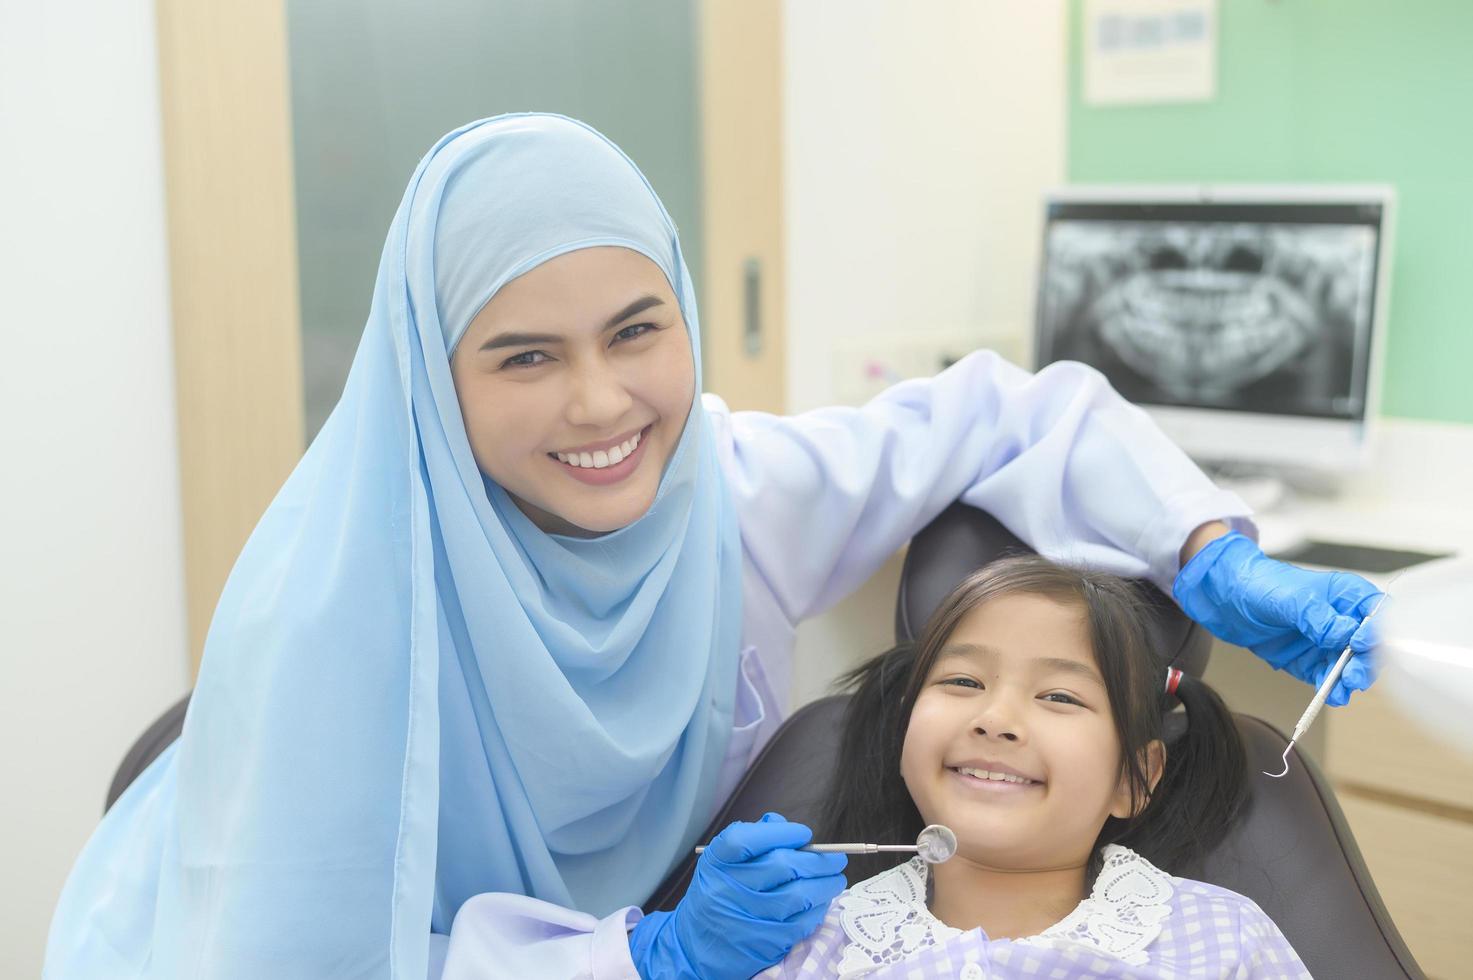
(1138,923)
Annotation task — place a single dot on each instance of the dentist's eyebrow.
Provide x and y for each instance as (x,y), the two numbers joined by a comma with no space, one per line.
(532,339)
(520,340)
(638,306)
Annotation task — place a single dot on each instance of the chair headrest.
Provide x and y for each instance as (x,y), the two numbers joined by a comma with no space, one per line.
(963,539)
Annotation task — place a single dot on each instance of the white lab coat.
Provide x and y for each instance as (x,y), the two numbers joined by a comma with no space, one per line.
(824,498)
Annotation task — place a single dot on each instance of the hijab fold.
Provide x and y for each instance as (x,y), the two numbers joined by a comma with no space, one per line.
(410,694)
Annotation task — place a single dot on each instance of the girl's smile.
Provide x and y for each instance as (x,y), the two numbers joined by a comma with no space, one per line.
(993,778)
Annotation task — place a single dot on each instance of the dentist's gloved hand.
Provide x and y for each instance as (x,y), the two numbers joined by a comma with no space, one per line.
(753,897)
(1295,619)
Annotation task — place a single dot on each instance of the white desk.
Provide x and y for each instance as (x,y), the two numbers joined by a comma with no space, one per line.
(1417,493)
(1408,797)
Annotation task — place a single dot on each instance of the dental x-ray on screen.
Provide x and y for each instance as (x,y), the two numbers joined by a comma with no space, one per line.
(1231,306)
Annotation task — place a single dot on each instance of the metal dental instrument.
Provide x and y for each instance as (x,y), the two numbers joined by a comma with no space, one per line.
(933,845)
(1327,685)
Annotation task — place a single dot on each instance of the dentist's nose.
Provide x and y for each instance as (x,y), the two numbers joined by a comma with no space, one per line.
(598,398)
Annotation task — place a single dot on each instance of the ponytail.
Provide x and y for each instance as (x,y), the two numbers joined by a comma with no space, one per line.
(1203,787)
(867,799)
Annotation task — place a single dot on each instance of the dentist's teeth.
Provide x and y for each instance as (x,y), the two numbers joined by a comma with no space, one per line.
(601,458)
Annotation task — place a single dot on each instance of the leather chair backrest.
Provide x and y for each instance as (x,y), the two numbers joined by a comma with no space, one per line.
(159,736)
(963,539)
(1292,852)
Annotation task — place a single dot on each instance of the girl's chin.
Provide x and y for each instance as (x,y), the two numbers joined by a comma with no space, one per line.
(1013,850)
(1003,854)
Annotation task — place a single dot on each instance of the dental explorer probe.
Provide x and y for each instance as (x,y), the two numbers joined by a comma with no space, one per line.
(1328,684)
(933,845)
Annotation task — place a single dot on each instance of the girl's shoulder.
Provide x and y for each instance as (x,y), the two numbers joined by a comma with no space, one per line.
(1212,923)
(1130,885)
(1214,896)
(1205,908)
(1222,904)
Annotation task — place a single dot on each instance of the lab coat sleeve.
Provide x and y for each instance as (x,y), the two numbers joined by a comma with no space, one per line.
(502,935)
(825,497)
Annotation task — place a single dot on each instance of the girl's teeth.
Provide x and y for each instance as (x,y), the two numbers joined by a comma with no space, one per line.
(602,458)
(999,776)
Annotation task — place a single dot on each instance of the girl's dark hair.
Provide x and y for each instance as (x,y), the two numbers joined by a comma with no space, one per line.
(1202,789)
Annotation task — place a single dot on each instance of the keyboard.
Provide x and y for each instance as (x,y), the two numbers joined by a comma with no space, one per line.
(1355,557)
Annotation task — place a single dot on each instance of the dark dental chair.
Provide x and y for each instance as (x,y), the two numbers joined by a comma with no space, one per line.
(1292,853)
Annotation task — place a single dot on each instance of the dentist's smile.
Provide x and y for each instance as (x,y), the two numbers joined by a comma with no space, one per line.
(601,464)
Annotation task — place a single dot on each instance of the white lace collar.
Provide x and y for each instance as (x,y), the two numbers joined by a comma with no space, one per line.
(885,918)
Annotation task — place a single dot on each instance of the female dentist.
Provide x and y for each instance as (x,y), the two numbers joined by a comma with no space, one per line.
(524,611)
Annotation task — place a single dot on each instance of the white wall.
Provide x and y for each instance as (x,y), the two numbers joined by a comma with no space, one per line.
(92,641)
(919,137)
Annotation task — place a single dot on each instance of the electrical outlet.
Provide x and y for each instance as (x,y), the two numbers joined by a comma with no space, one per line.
(864,367)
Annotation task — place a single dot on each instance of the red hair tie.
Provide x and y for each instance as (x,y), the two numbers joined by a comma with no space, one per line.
(1173,678)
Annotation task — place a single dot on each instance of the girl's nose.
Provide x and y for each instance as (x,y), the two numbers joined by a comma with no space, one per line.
(998,720)
(598,398)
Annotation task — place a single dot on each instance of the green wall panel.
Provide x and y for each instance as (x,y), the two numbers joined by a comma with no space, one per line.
(1333,90)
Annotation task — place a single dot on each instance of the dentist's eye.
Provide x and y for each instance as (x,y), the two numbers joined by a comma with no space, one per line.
(635,330)
(526,359)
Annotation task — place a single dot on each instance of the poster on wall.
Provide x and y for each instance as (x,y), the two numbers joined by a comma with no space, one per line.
(1145,51)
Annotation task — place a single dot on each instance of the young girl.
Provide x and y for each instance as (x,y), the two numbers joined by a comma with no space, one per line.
(525,610)
(1031,718)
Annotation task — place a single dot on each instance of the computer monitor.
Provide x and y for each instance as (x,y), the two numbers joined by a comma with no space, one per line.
(1247,321)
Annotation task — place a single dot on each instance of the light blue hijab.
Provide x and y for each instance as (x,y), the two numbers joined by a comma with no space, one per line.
(409,693)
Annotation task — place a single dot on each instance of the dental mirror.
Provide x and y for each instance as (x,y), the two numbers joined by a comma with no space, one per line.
(934,845)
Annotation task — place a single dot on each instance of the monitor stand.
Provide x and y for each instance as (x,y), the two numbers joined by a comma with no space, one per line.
(1282,533)
(1279,532)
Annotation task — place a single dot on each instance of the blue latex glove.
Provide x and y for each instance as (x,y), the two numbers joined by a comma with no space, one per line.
(1298,620)
(753,897)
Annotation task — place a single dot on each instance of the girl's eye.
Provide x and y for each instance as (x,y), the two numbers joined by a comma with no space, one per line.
(635,330)
(529,358)
(962,682)
(1059,697)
